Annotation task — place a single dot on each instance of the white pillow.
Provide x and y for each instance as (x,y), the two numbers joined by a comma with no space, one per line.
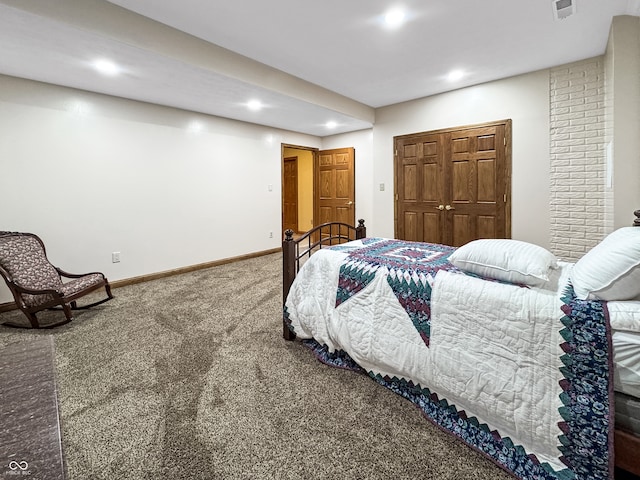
(609,271)
(511,261)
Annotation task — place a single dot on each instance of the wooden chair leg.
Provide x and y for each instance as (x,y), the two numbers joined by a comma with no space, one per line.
(32,319)
(67,311)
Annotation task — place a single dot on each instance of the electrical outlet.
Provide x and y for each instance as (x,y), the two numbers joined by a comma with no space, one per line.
(115,257)
(270,234)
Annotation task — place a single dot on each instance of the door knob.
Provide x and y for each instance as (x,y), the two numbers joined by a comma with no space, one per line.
(349,203)
(440,207)
(449,207)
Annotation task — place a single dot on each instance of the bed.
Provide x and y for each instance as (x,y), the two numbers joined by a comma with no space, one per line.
(527,359)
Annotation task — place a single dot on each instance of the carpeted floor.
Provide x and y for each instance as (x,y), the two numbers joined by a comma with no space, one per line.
(188,378)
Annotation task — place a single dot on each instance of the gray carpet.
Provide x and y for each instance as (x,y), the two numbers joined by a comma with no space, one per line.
(188,378)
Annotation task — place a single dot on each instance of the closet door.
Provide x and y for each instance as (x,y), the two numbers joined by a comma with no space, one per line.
(454,185)
(420,189)
(476,176)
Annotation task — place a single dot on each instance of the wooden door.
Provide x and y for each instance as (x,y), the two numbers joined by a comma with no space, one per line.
(454,185)
(334,178)
(420,188)
(476,176)
(290,194)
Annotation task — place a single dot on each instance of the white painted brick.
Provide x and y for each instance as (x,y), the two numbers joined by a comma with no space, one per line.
(584,148)
(569,195)
(573,116)
(569,141)
(571,155)
(582,216)
(591,176)
(584,242)
(596,112)
(560,97)
(561,163)
(587,134)
(576,102)
(584,120)
(593,80)
(580,108)
(577,161)
(570,89)
(593,91)
(569,129)
(576,87)
(561,176)
(560,109)
(576,206)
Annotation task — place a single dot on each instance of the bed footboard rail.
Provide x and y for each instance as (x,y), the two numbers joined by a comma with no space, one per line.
(294,252)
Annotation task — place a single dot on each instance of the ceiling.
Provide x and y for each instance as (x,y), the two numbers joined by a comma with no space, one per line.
(307,62)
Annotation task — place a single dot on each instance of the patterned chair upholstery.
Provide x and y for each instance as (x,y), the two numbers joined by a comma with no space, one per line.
(37,285)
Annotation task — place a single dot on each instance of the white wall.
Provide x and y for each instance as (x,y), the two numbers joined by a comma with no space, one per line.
(524,99)
(623,95)
(107,174)
(93,174)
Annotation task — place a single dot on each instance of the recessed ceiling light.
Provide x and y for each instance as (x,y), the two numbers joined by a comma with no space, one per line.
(254,105)
(106,67)
(331,124)
(79,107)
(195,126)
(455,75)
(394,18)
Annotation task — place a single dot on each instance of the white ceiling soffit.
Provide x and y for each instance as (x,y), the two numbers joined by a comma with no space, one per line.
(161,65)
(343,46)
(309,62)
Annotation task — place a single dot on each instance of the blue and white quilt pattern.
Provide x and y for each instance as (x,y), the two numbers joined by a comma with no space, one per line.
(520,374)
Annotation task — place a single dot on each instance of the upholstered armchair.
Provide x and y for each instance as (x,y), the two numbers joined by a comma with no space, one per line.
(37,285)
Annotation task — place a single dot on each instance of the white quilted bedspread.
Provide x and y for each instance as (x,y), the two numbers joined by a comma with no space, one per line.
(493,347)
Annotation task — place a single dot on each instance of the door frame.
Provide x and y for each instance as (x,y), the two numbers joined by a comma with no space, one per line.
(507,157)
(314,151)
(294,161)
(315,173)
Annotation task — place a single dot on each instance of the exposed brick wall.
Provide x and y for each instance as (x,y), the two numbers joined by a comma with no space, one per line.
(577,136)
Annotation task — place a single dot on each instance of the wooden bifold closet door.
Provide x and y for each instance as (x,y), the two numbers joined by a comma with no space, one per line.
(453,186)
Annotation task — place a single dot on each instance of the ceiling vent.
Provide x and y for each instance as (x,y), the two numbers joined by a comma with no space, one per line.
(563,8)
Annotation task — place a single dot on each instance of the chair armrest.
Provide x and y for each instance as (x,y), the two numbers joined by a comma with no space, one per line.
(75,275)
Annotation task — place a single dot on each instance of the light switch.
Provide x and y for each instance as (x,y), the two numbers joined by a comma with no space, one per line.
(382,187)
